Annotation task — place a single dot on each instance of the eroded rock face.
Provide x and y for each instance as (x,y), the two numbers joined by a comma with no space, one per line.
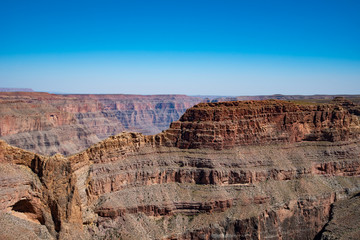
(275,176)
(41,190)
(229,124)
(344,220)
(48,123)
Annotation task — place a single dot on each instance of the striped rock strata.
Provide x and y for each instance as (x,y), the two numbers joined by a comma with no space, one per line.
(237,170)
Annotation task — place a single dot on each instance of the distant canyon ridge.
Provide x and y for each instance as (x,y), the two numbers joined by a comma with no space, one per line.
(50,123)
(47,123)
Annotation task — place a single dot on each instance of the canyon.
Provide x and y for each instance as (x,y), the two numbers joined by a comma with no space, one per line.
(47,123)
(51,123)
(266,169)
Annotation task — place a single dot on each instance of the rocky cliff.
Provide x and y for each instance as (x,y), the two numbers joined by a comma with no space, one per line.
(228,124)
(344,220)
(240,170)
(49,123)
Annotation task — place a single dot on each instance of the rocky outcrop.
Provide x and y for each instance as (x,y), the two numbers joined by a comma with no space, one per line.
(229,124)
(40,190)
(274,224)
(275,176)
(344,220)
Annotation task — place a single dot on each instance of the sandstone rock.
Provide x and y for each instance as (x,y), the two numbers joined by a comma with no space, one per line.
(229,124)
(266,179)
(48,123)
(344,220)
(40,190)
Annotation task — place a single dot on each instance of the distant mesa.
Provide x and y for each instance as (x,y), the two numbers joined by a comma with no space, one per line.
(16,90)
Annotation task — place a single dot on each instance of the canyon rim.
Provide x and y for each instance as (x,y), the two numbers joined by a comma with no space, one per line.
(266,169)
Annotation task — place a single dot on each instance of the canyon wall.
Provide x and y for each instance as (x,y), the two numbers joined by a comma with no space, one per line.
(48,123)
(344,220)
(239,170)
(228,124)
(51,123)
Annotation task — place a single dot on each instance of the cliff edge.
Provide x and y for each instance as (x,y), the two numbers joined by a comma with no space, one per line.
(235,170)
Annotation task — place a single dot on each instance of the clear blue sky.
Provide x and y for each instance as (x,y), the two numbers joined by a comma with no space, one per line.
(191,47)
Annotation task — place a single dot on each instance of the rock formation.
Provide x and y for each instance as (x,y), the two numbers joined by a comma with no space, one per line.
(48,123)
(237,170)
(229,124)
(344,220)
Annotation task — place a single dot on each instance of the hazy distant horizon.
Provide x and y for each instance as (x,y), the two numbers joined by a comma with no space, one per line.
(226,48)
(30,90)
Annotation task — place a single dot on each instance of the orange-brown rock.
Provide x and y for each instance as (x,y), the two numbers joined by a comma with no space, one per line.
(40,190)
(275,176)
(19,116)
(49,123)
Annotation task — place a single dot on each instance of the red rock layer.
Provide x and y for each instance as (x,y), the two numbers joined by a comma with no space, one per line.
(49,123)
(228,124)
(21,116)
(265,179)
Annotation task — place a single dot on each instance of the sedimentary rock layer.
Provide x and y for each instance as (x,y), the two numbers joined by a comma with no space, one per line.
(229,124)
(48,123)
(275,176)
(344,220)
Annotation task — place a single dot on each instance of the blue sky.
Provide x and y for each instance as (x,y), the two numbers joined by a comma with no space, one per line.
(186,47)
